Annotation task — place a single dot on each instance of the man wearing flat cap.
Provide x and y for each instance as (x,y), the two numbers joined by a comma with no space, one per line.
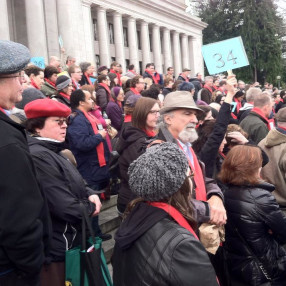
(21,202)
(178,126)
(274,145)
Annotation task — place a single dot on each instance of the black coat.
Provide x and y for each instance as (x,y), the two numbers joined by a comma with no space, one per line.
(132,143)
(21,203)
(102,97)
(152,249)
(64,189)
(254,211)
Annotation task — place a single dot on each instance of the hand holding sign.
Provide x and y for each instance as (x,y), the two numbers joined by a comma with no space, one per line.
(225,55)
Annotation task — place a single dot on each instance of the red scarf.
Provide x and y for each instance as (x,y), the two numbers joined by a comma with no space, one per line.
(50,82)
(208,88)
(118,76)
(269,122)
(156,78)
(184,77)
(100,147)
(150,133)
(238,105)
(233,116)
(135,91)
(106,87)
(277,126)
(1,109)
(215,87)
(65,95)
(117,102)
(128,118)
(34,84)
(201,193)
(176,215)
(75,85)
(88,79)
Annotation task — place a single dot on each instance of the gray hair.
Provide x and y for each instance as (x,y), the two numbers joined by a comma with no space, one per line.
(252,93)
(262,99)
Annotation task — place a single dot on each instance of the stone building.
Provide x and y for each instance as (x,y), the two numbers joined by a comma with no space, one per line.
(100,31)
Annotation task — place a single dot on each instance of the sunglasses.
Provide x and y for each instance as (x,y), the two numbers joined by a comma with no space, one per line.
(61,121)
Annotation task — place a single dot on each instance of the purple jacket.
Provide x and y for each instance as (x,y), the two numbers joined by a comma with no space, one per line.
(115,114)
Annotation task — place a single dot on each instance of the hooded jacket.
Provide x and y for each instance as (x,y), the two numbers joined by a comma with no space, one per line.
(152,249)
(274,172)
(254,212)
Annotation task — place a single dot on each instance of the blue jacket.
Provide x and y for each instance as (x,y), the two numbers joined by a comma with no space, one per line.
(83,141)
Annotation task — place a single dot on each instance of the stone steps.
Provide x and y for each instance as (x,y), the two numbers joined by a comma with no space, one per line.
(109,223)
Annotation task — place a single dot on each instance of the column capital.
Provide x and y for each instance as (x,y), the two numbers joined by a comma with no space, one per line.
(131,19)
(116,14)
(184,36)
(100,9)
(143,22)
(86,2)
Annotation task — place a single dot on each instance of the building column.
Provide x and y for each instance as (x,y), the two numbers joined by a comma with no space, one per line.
(37,40)
(103,40)
(132,41)
(145,44)
(167,49)
(118,40)
(185,52)
(4,21)
(177,53)
(65,17)
(156,41)
(52,31)
(196,59)
(88,31)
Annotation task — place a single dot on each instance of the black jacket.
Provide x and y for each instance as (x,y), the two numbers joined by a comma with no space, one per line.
(132,143)
(152,249)
(21,203)
(102,97)
(254,211)
(209,151)
(64,189)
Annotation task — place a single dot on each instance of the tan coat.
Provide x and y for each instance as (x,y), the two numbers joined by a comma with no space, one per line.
(274,145)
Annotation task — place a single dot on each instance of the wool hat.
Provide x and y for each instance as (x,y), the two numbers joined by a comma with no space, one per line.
(177,100)
(102,68)
(46,108)
(280,116)
(116,90)
(159,172)
(132,99)
(13,57)
(29,95)
(62,82)
(187,86)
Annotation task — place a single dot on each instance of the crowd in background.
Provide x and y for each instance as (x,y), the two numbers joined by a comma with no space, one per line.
(197,163)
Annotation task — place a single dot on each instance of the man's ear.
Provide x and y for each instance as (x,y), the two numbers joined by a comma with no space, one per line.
(168,119)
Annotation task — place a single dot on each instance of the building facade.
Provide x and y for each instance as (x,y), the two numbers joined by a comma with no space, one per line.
(101,31)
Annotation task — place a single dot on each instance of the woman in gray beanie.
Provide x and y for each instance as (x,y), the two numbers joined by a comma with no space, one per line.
(64,90)
(156,242)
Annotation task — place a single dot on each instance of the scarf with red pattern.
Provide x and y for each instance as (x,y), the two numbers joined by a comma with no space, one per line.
(156,78)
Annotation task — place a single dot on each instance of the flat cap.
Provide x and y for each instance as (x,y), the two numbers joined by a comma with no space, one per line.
(28,95)
(13,57)
(178,100)
(46,108)
(280,116)
(186,69)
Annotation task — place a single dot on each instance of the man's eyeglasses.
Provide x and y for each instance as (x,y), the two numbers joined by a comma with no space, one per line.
(61,121)
(21,76)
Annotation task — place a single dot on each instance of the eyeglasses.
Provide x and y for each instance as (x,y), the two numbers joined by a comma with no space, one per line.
(142,82)
(61,121)
(14,76)
(154,112)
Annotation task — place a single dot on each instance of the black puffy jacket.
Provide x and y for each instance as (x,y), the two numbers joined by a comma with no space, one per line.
(152,249)
(255,213)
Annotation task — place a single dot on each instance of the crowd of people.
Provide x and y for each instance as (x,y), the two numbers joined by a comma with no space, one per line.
(197,164)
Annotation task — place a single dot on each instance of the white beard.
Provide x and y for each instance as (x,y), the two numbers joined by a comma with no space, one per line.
(188,134)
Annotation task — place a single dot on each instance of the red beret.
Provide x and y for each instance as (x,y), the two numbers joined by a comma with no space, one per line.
(46,108)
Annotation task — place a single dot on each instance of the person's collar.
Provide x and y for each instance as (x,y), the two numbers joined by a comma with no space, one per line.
(47,139)
(187,145)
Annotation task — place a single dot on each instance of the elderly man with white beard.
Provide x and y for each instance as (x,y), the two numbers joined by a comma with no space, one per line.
(178,126)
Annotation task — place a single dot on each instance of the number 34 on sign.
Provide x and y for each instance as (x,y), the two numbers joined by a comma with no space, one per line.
(225,55)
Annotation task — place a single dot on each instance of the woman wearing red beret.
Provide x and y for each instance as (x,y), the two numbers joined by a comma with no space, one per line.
(61,183)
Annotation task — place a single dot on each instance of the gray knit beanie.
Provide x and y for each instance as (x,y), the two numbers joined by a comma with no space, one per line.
(159,172)
(29,95)
(62,82)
